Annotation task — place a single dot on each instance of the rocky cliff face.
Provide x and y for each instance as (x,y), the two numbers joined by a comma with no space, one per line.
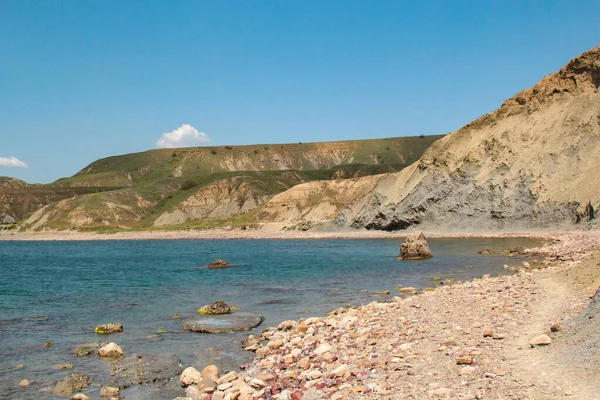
(532,163)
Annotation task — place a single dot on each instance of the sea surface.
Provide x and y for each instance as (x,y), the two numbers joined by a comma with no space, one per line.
(59,291)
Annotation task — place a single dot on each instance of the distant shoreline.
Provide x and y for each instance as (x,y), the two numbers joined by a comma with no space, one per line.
(268,233)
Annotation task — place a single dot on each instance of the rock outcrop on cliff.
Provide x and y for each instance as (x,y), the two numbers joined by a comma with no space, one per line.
(532,163)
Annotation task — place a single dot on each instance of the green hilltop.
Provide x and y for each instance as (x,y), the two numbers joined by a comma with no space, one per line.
(229,183)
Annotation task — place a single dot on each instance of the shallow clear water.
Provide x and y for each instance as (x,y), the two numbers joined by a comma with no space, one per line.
(59,291)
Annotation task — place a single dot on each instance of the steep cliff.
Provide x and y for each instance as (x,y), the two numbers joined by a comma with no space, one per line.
(532,163)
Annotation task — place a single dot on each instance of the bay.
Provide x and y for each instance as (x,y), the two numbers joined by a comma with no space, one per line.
(59,291)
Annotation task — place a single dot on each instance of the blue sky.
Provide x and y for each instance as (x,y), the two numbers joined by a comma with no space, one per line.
(81,80)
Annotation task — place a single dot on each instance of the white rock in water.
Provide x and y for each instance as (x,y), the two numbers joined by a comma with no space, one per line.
(111,350)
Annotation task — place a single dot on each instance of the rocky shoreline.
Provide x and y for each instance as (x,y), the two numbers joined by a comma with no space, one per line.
(473,340)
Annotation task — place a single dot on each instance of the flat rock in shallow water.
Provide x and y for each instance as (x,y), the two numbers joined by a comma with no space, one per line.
(223,323)
(160,371)
(229,360)
(71,384)
(88,349)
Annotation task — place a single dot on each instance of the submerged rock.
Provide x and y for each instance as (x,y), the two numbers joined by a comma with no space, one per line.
(223,323)
(228,360)
(160,371)
(62,366)
(519,250)
(415,248)
(71,384)
(112,327)
(218,263)
(216,308)
(408,289)
(109,391)
(87,349)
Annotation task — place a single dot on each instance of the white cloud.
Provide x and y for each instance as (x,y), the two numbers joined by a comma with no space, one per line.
(12,162)
(184,136)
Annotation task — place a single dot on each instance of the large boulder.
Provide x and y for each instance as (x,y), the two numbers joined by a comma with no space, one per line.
(240,321)
(414,248)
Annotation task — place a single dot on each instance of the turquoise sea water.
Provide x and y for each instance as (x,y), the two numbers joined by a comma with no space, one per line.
(59,291)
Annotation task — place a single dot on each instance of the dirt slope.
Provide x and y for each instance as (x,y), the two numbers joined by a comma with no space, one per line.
(19,199)
(531,163)
(223,198)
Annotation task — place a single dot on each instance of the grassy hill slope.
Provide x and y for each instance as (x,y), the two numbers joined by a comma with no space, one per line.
(204,186)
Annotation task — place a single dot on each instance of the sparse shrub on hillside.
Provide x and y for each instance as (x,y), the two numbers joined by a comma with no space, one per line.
(8,227)
(187,185)
(255,151)
(228,147)
(174,154)
(422,136)
(213,151)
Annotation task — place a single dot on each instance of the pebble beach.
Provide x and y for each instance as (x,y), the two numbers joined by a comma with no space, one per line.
(492,338)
